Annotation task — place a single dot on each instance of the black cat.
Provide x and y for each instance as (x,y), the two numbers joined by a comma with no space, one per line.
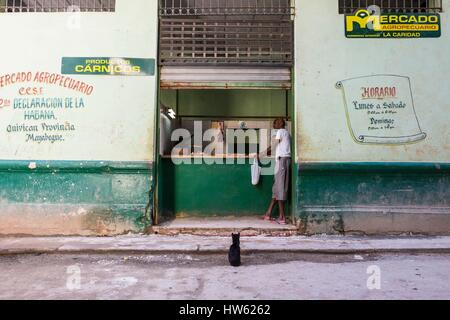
(234,256)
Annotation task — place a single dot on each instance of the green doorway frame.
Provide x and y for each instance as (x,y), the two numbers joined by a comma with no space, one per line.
(161,212)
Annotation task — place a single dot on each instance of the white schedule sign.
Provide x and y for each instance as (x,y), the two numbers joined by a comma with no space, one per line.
(380,110)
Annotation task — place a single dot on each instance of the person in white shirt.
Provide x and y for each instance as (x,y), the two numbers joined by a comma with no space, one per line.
(282,167)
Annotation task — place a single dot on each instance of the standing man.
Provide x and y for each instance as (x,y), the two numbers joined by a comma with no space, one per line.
(282,167)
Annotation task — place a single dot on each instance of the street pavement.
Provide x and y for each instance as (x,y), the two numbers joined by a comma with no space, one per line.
(196,267)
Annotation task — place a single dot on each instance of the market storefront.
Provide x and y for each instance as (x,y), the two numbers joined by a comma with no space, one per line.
(225,70)
(103,133)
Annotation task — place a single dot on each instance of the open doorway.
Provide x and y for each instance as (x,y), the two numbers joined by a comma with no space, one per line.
(225,69)
(208,139)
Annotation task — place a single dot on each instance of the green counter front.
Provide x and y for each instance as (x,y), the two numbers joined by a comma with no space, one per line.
(211,190)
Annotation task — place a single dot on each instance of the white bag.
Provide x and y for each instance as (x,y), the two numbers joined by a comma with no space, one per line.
(256,172)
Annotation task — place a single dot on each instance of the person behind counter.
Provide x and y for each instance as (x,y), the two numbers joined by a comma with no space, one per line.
(282,167)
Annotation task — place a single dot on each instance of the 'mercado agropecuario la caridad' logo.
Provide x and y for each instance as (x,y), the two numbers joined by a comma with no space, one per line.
(373,24)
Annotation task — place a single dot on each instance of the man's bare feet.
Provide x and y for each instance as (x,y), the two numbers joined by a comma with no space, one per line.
(281,221)
(267,217)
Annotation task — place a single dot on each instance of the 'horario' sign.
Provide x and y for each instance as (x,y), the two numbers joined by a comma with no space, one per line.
(380,110)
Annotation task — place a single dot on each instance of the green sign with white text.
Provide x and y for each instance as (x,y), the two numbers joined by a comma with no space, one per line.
(108,66)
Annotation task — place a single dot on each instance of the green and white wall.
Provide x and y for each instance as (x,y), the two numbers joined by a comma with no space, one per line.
(85,166)
(355,174)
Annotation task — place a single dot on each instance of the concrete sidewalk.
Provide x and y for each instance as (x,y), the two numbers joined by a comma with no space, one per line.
(156,244)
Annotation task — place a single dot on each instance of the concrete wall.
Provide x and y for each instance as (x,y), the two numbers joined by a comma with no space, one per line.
(352,185)
(324,56)
(85,166)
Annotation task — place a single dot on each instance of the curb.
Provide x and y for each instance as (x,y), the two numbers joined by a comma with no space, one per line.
(188,244)
(222,251)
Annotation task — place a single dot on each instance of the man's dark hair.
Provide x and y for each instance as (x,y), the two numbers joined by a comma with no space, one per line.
(282,121)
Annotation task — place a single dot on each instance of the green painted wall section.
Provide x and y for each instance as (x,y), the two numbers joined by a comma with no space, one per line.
(228,103)
(221,190)
(117,189)
(382,185)
(330,191)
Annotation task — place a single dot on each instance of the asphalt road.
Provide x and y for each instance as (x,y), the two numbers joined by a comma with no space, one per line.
(265,276)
